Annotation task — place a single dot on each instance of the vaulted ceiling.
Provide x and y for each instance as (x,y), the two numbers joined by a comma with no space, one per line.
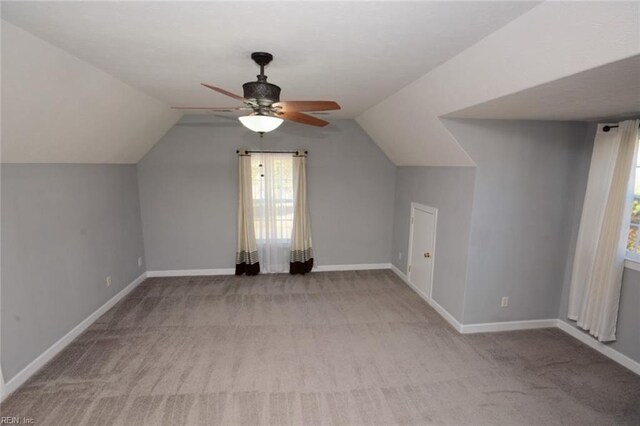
(57,108)
(607,92)
(552,42)
(355,53)
(93,81)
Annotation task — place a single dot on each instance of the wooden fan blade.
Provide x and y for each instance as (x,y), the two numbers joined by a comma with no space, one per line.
(211,108)
(306,105)
(299,117)
(224,92)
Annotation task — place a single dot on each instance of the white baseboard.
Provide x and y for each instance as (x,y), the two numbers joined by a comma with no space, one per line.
(191,272)
(355,267)
(231,271)
(446,315)
(47,355)
(435,305)
(489,327)
(603,348)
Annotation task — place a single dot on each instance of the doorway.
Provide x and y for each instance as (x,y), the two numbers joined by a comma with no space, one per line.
(422,243)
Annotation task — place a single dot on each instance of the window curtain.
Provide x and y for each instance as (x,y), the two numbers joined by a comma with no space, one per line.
(246,253)
(301,257)
(2,385)
(598,264)
(273,209)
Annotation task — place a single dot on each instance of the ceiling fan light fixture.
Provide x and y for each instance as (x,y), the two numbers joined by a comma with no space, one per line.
(260,123)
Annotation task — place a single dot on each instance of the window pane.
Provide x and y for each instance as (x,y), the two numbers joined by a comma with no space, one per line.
(272,177)
(633,248)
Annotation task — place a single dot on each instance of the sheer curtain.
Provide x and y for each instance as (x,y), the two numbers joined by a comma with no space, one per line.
(273,208)
(600,250)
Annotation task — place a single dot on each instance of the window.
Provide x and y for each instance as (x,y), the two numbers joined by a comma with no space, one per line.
(273,198)
(633,245)
(272,176)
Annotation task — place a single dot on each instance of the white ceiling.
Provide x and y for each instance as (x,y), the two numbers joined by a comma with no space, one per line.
(550,42)
(355,53)
(59,109)
(611,91)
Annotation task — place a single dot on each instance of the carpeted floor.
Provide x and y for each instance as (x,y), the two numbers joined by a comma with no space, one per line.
(327,348)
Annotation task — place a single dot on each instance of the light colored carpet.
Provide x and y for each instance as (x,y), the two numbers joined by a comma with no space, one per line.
(326,348)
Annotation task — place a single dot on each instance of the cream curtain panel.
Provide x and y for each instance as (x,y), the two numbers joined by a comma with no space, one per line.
(247,252)
(301,259)
(600,250)
(2,385)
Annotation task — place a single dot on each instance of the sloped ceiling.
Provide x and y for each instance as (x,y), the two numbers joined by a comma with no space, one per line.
(608,92)
(552,41)
(105,98)
(353,52)
(356,53)
(57,108)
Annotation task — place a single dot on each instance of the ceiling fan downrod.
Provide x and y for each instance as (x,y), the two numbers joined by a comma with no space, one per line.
(262,59)
(260,92)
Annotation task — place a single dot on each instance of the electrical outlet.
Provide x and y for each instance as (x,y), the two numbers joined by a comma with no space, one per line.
(399,255)
(504,302)
(109,281)
(139,262)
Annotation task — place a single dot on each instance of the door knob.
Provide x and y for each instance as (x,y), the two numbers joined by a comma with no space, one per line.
(427,254)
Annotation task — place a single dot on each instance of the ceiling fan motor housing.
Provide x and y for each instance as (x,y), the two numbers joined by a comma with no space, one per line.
(261,92)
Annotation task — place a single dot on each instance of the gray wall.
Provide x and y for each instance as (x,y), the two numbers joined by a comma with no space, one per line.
(450,190)
(188,186)
(529,182)
(575,221)
(65,228)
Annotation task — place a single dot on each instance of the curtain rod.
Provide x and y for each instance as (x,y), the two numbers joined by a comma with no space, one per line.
(607,128)
(270,151)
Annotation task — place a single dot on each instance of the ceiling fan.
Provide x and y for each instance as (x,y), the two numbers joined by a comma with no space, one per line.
(263,99)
